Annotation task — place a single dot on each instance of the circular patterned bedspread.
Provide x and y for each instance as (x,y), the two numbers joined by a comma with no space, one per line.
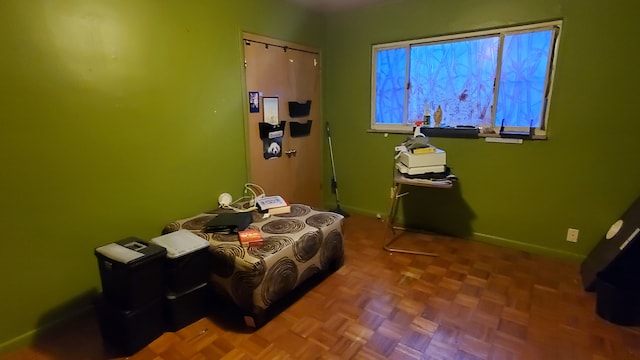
(295,246)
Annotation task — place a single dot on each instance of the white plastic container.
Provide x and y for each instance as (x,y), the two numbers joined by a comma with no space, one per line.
(188,260)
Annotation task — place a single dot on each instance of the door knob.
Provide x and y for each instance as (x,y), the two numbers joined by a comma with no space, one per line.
(291,152)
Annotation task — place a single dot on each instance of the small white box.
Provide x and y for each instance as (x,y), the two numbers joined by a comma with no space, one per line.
(180,243)
(433,159)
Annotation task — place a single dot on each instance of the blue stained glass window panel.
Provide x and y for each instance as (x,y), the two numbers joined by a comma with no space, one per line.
(522,79)
(391,72)
(457,76)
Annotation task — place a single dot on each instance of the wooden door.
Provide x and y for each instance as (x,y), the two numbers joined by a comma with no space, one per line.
(291,73)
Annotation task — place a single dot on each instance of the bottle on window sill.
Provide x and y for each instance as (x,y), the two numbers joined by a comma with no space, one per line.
(427,116)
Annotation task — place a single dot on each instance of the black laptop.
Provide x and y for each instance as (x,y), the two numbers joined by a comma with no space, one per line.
(228,223)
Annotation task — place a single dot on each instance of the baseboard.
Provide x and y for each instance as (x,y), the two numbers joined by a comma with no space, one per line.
(492,239)
(355,210)
(29,337)
(18,342)
(513,244)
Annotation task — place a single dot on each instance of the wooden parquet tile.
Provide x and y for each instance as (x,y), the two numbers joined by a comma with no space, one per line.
(474,301)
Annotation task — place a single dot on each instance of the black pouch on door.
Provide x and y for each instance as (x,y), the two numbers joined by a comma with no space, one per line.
(298,129)
(297,109)
(268,131)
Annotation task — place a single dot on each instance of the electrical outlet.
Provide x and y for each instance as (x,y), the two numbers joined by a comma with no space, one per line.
(572,235)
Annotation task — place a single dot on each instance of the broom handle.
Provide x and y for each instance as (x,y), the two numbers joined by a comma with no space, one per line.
(334,182)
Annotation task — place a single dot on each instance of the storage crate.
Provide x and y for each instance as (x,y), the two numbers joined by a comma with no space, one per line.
(131,272)
(182,309)
(188,261)
(128,331)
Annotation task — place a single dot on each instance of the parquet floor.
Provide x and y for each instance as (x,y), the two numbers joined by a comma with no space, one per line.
(474,301)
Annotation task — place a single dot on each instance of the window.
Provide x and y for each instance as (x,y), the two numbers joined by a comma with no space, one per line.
(496,81)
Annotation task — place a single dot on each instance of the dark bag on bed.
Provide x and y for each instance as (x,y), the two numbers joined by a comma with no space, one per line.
(228,223)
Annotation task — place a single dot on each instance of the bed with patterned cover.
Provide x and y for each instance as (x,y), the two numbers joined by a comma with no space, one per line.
(296,246)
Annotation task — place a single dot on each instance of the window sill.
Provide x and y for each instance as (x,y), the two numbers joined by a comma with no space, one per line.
(534,134)
(465,132)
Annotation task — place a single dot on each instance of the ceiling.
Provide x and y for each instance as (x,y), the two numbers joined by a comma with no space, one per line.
(327,6)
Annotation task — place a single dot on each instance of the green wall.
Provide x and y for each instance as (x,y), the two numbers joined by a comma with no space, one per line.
(526,196)
(116,117)
(119,116)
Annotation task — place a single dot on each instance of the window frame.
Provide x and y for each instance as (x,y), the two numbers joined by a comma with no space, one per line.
(539,132)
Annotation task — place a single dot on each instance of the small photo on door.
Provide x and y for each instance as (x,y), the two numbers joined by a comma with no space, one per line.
(254,102)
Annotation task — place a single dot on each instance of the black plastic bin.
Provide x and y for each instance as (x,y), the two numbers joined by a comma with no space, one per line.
(128,331)
(188,261)
(131,284)
(182,309)
(618,300)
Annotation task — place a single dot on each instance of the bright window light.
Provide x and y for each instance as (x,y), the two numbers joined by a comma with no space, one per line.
(496,80)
